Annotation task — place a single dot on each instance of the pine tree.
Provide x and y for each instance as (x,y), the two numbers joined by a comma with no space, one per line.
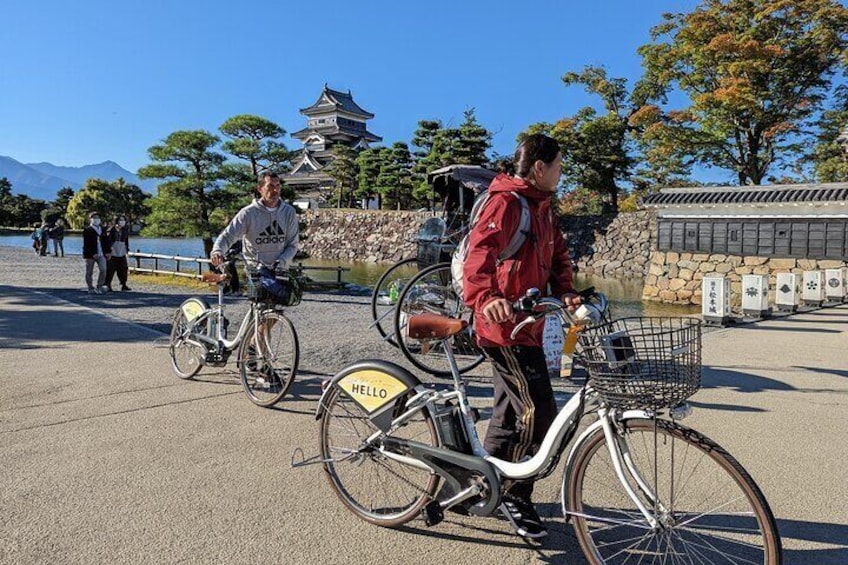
(191,171)
(472,141)
(344,171)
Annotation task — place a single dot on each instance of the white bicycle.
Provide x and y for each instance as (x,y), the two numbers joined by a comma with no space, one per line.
(638,487)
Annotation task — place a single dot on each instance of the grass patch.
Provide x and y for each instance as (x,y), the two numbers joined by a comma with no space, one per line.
(169,280)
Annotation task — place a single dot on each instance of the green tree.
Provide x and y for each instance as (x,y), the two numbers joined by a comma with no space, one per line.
(24,210)
(257,141)
(473,141)
(94,196)
(829,156)
(63,197)
(394,182)
(344,171)
(426,160)
(191,189)
(109,199)
(369,162)
(598,149)
(755,73)
(423,137)
(5,202)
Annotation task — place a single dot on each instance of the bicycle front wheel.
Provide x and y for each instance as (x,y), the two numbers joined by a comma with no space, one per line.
(432,291)
(378,489)
(186,358)
(385,296)
(708,507)
(267,369)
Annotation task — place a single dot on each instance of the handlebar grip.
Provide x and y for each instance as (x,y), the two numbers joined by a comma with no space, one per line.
(587,292)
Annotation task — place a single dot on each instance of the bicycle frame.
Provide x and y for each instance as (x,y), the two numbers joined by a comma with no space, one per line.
(219,340)
(556,439)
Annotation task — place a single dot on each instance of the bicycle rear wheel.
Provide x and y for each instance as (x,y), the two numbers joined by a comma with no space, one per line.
(268,371)
(379,490)
(710,510)
(432,291)
(385,296)
(186,358)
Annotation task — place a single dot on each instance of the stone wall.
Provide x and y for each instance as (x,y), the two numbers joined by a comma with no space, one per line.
(610,246)
(361,235)
(676,277)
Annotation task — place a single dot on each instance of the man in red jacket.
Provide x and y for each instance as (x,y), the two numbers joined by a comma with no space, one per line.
(524,405)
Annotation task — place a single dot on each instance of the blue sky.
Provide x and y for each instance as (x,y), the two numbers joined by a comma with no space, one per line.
(84,82)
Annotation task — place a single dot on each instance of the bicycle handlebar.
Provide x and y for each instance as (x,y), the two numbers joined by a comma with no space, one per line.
(537,307)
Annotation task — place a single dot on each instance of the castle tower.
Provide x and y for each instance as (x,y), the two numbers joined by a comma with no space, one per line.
(333,118)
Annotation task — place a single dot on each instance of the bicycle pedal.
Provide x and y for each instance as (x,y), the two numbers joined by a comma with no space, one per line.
(433,513)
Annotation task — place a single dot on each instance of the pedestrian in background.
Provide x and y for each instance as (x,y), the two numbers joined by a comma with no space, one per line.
(45,235)
(119,238)
(96,249)
(36,238)
(58,235)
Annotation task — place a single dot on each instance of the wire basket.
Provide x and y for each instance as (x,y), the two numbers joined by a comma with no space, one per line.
(643,363)
(256,293)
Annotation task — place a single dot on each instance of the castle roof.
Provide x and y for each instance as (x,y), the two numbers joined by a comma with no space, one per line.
(334,100)
(330,130)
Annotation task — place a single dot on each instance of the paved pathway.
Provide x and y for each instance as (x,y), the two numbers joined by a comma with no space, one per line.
(105,456)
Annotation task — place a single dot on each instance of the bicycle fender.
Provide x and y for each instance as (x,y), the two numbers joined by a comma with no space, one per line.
(373,384)
(193,307)
(569,462)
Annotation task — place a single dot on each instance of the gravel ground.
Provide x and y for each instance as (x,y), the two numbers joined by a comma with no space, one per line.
(333,327)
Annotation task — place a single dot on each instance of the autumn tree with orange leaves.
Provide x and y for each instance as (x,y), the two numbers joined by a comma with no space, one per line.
(755,72)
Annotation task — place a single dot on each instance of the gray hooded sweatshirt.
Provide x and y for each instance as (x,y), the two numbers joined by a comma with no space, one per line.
(268,236)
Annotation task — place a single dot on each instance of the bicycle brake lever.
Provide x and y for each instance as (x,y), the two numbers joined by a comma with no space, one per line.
(525,322)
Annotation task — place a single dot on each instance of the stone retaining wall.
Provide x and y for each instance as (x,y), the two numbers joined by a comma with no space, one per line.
(610,246)
(676,277)
(361,235)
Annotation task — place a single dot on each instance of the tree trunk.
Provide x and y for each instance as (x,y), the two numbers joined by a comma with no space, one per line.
(207,246)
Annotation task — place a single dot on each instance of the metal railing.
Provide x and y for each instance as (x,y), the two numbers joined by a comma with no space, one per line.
(156,264)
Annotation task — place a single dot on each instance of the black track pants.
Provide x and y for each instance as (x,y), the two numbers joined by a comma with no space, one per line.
(523,409)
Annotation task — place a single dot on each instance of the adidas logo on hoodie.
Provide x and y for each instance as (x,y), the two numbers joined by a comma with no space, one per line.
(272,234)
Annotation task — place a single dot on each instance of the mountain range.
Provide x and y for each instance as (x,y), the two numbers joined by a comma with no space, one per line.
(43,180)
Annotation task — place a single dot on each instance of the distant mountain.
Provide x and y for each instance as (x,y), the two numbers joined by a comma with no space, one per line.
(43,180)
(107,170)
(29,181)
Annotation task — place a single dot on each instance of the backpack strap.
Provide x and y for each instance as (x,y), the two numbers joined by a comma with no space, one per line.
(520,235)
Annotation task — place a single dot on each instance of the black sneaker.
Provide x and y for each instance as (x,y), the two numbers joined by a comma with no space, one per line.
(523,517)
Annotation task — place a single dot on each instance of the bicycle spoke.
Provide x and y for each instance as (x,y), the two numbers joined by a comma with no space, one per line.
(714,519)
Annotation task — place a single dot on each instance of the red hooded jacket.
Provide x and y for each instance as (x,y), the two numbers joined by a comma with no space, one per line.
(542,259)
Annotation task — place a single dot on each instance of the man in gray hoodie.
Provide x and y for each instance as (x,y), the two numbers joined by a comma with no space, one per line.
(269,232)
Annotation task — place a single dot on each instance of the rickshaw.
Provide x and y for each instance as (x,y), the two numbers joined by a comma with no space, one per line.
(424,280)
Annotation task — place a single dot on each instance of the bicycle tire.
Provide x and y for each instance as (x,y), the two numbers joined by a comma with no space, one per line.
(180,328)
(267,380)
(381,314)
(431,290)
(361,476)
(688,524)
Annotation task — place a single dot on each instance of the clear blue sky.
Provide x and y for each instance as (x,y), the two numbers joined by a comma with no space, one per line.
(84,82)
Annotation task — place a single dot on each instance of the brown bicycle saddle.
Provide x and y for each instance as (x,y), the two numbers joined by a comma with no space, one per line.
(434,326)
(215,278)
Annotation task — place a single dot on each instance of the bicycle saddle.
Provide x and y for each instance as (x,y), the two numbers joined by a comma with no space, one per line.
(434,326)
(215,278)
